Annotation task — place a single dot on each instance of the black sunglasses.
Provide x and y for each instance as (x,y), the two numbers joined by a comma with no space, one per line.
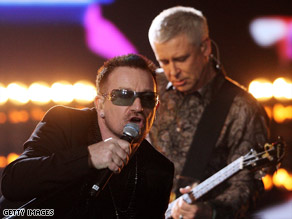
(123,97)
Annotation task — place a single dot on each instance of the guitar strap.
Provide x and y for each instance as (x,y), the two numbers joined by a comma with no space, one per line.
(208,131)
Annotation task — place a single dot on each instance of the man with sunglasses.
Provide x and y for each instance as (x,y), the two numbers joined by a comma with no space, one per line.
(194,85)
(71,150)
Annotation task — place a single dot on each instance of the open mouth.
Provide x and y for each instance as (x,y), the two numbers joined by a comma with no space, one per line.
(135,120)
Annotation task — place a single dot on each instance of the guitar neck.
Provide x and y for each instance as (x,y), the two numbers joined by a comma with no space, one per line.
(272,154)
(208,184)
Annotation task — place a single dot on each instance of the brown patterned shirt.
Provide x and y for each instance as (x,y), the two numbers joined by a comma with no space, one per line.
(245,127)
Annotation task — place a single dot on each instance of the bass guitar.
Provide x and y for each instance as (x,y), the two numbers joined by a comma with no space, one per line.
(272,155)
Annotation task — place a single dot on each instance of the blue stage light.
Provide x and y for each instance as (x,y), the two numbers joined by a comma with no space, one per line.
(52,2)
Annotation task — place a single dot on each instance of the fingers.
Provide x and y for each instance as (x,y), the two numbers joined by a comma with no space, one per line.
(186,189)
(117,158)
(181,208)
(125,146)
(111,153)
(195,210)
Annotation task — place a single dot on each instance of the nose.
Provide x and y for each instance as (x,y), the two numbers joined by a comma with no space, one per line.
(173,69)
(137,105)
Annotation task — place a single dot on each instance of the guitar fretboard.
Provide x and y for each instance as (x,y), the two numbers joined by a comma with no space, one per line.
(217,178)
(209,183)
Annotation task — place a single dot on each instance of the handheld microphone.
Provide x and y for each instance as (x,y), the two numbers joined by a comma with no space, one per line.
(130,132)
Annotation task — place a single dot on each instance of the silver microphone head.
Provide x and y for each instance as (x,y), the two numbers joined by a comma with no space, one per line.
(132,130)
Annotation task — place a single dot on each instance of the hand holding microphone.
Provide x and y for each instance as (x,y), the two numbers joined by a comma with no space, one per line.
(112,155)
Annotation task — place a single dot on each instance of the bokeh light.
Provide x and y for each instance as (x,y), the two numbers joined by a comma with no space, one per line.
(39,93)
(282,113)
(3,161)
(282,89)
(3,94)
(84,91)
(12,157)
(261,89)
(3,118)
(17,93)
(62,92)
(282,178)
(18,116)
(268,182)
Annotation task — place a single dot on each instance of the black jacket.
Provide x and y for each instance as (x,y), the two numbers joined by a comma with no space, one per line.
(54,168)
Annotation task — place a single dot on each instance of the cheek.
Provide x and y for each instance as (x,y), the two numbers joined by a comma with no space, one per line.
(167,74)
(195,68)
(113,112)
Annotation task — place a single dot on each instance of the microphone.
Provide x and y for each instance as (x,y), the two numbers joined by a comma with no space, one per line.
(130,132)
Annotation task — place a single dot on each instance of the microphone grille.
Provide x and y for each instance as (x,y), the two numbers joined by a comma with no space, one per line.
(131,129)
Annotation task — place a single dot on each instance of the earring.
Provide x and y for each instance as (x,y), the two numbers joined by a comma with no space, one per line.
(101,115)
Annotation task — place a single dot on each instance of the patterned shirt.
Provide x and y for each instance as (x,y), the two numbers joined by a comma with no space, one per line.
(245,127)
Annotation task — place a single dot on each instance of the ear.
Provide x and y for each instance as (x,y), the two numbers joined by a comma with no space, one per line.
(206,47)
(99,104)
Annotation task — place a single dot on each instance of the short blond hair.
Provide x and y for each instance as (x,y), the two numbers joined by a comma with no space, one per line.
(179,20)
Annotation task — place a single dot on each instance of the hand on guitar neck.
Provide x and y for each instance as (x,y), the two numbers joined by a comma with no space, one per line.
(199,210)
(186,207)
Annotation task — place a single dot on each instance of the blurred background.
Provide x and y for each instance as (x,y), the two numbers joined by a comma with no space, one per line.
(50,52)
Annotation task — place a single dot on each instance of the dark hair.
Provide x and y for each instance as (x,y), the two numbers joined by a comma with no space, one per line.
(130,60)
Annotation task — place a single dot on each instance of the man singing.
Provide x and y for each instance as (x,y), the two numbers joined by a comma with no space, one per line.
(71,149)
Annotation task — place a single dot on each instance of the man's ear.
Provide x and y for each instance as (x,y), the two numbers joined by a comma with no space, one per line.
(99,105)
(206,47)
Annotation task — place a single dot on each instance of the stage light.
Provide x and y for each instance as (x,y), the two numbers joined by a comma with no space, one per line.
(267,31)
(3,161)
(261,89)
(268,182)
(3,118)
(17,93)
(282,178)
(49,2)
(62,92)
(282,113)
(3,94)
(274,30)
(282,89)
(11,157)
(103,37)
(84,91)
(17,116)
(39,93)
